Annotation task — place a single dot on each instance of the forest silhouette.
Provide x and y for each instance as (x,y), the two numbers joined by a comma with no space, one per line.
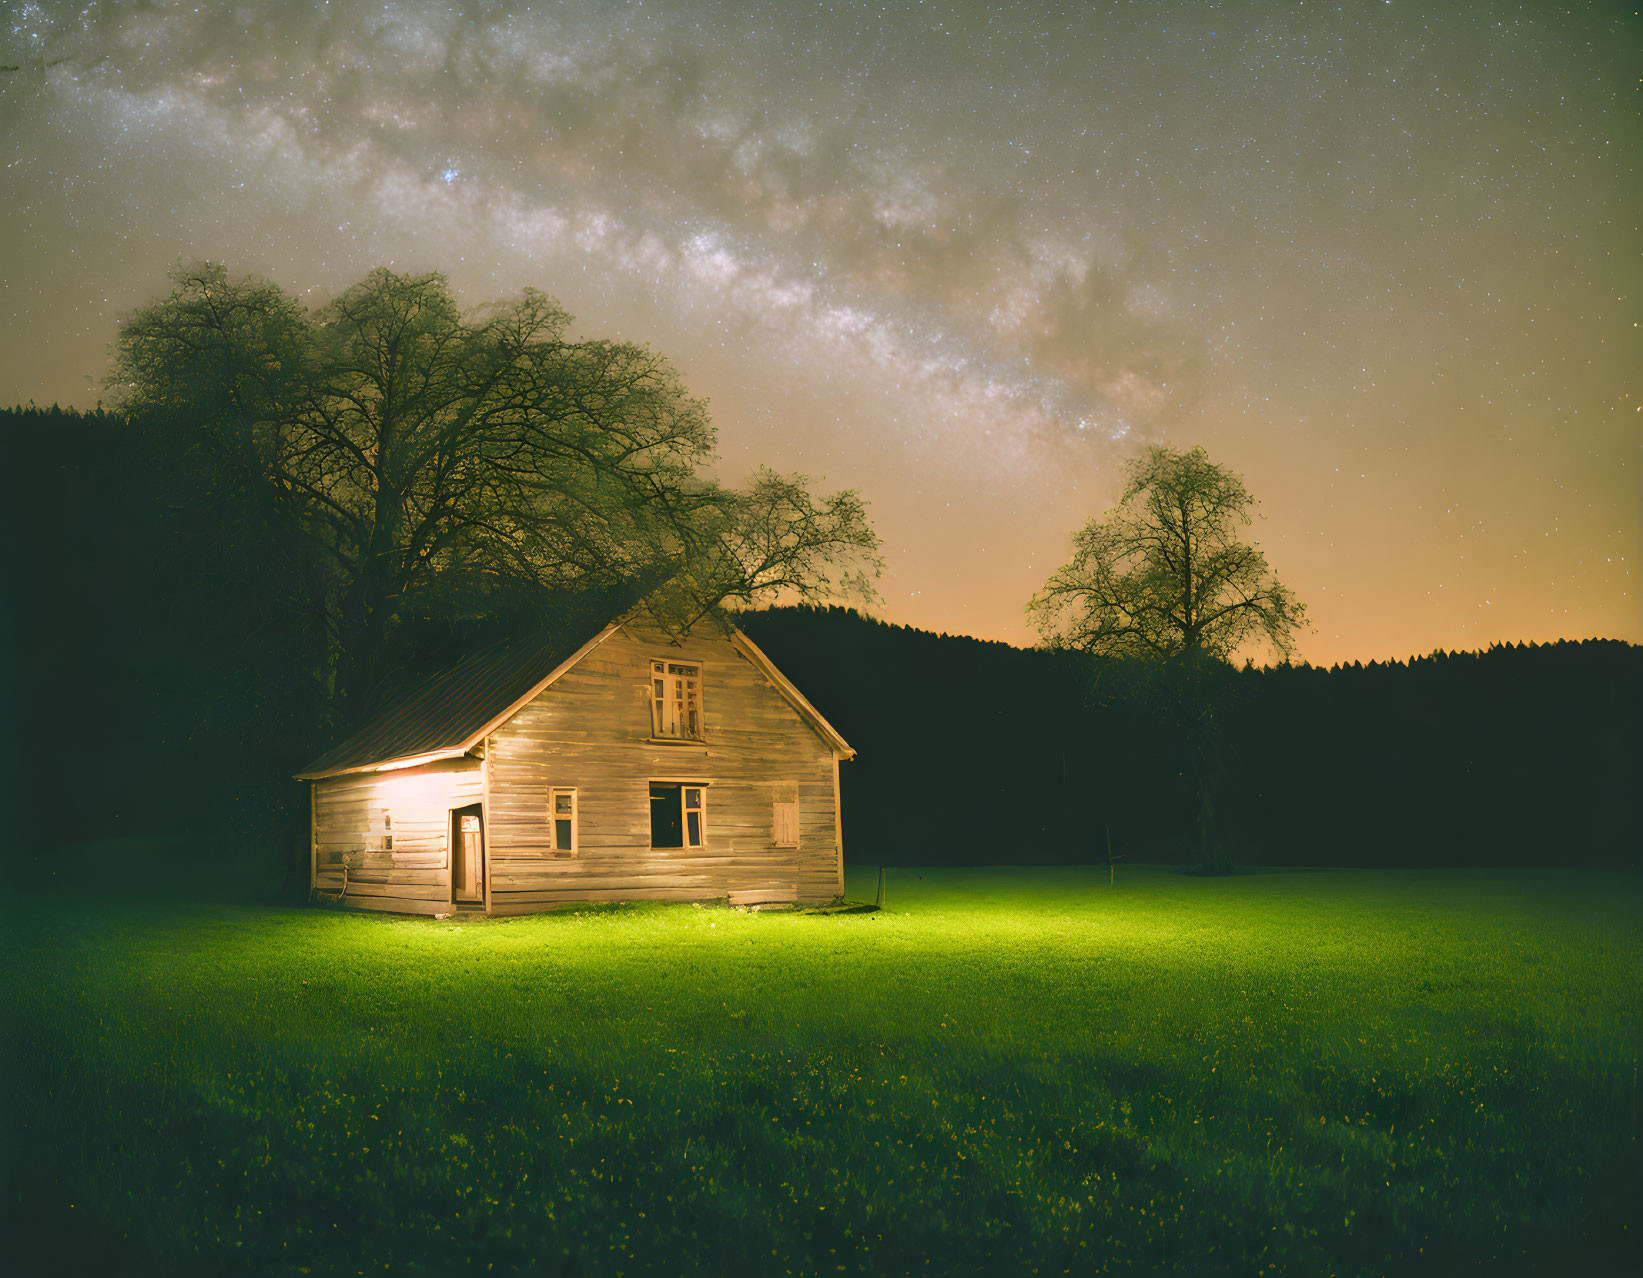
(157,691)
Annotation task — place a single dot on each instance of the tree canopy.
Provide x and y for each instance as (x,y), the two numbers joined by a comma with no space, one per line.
(1166,573)
(401,460)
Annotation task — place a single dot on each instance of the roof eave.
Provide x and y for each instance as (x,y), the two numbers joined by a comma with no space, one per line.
(388,765)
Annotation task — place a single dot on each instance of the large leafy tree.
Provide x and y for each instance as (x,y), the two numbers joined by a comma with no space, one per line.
(1166,573)
(401,460)
(1166,589)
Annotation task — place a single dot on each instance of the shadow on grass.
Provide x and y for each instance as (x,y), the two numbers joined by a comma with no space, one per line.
(761,1166)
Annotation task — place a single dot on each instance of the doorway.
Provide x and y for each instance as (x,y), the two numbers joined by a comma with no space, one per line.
(468,854)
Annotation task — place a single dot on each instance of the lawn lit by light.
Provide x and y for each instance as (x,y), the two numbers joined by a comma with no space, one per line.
(1341,1071)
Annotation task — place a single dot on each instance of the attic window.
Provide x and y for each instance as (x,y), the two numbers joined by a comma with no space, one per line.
(676,701)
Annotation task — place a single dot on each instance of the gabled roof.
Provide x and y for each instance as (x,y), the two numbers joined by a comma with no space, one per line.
(456,709)
(451,713)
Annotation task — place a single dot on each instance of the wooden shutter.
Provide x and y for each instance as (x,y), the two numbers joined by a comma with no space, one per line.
(784,820)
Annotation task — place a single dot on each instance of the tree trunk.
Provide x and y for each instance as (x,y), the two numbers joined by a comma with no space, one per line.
(1213,857)
(365,608)
(363,632)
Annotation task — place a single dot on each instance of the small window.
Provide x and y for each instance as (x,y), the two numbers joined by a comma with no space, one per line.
(676,700)
(678,815)
(562,816)
(380,836)
(784,821)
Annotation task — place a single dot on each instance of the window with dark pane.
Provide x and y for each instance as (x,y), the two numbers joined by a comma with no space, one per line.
(562,802)
(678,815)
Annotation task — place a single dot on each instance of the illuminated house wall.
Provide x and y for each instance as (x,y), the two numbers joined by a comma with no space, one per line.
(413,873)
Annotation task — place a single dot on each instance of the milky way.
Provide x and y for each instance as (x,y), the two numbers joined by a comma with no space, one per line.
(1383,259)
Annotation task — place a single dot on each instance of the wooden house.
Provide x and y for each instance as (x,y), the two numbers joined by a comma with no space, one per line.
(635,767)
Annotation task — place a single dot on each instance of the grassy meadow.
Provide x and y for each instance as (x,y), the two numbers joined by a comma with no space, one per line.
(1006,1071)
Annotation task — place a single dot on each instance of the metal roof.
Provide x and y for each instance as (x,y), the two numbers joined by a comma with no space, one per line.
(449,713)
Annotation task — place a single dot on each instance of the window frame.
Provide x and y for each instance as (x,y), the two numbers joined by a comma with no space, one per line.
(684,787)
(674,673)
(379,828)
(575,847)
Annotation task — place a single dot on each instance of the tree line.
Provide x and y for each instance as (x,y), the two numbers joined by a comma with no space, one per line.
(974,752)
(164,679)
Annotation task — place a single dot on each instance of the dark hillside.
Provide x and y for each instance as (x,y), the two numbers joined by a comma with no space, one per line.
(157,685)
(1521,754)
(974,752)
(971,752)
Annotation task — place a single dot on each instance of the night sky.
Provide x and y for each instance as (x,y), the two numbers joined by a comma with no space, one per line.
(1382,258)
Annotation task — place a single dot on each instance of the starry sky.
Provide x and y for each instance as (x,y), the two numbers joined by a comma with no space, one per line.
(1381,258)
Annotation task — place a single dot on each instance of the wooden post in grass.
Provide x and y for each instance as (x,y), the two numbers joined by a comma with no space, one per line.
(878,901)
(1112,875)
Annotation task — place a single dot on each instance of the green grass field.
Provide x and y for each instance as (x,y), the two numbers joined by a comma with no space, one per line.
(1007,1071)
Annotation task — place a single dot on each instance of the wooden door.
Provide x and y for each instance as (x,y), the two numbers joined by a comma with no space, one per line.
(468,854)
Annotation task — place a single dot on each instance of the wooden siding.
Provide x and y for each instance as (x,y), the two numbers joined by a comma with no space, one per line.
(413,878)
(591,730)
